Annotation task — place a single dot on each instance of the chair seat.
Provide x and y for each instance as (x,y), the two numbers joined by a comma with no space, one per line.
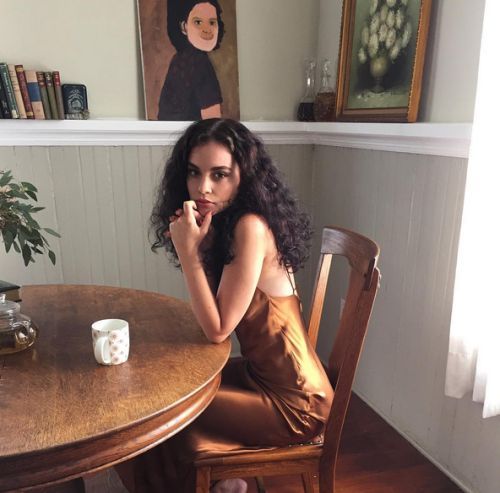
(310,450)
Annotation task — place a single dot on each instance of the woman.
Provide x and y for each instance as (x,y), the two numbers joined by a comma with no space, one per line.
(191,89)
(233,226)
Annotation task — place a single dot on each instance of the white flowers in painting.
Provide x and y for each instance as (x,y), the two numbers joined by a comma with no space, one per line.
(362,57)
(395,49)
(375,23)
(400,18)
(391,19)
(384,10)
(387,30)
(373,45)
(391,38)
(365,35)
(406,36)
(382,33)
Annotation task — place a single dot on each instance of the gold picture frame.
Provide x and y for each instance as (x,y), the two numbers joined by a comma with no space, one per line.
(381,60)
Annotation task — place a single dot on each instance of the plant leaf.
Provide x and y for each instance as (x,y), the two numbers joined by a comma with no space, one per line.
(8,239)
(52,232)
(32,195)
(29,186)
(52,257)
(5,177)
(26,254)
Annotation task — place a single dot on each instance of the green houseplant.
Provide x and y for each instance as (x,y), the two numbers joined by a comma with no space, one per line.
(19,230)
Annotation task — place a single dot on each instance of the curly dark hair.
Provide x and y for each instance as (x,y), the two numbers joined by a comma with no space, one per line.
(262,191)
(178,12)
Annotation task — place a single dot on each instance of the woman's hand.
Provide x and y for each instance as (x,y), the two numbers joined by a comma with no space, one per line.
(188,229)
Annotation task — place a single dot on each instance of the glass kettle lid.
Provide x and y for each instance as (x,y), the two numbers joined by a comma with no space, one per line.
(8,308)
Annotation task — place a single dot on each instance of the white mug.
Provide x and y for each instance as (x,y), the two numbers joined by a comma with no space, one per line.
(110,339)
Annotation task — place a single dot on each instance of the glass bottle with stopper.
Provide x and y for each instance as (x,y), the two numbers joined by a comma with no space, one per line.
(305,112)
(324,103)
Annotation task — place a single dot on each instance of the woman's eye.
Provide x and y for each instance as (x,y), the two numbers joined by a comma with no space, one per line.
(192,172)
(197,22)
(213,23)
(220,176)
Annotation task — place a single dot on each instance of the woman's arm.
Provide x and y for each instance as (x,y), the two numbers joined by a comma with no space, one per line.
(219,315)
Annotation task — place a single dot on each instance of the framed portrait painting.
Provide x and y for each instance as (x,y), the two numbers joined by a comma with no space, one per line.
(189,59)
(381,59)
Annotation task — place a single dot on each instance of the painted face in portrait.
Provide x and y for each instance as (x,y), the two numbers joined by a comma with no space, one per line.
(201,27)
(213,177)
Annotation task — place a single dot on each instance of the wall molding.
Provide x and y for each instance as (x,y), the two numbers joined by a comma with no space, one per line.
(441,139)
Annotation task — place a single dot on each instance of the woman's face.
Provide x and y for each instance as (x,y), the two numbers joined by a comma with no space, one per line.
(213,177)
(201,27)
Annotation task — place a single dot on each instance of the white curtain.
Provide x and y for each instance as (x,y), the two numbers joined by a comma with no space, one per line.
(474,355)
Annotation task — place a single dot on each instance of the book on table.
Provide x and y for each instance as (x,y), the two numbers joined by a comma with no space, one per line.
(12,291)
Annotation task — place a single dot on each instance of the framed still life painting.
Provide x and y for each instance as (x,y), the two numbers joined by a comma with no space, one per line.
(381,59)
(189,59)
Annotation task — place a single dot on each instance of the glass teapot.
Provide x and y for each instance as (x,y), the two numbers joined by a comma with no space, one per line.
(17,331)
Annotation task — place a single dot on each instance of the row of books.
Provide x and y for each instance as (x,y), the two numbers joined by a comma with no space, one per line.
(31,94)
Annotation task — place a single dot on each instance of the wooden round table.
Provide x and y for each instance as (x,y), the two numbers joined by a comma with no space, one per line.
(62,414)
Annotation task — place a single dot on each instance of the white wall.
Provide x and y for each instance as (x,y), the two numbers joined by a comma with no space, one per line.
(96,42)
(450,73)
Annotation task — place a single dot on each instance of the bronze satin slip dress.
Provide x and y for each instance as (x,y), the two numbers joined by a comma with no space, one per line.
(277,394)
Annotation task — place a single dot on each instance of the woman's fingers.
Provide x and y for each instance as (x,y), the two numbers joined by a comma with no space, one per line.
(189,208)
(205,224)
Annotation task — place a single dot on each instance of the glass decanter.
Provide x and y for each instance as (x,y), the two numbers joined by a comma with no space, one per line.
(305,111)
(324,103)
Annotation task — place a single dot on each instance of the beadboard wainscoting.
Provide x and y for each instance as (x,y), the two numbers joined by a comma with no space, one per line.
(99,198)
(411,205)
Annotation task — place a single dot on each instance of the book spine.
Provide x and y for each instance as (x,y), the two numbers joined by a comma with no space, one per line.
(21,77)
(4,106)
(17,91)
(59,97)
(44,94)
(34,94)
(52,95)
(9,91)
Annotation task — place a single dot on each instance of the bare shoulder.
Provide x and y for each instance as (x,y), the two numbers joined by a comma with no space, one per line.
(251,224)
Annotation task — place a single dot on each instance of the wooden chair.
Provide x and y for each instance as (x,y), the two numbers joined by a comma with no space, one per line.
(311,459)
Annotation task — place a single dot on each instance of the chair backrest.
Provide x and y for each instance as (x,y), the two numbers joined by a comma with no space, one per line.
(362,254)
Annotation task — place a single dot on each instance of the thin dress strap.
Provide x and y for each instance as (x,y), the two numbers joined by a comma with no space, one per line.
(291,283)
(295,292)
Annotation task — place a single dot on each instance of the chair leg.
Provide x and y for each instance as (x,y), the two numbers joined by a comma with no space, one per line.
(307,482)
(260,484)
(203,480)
